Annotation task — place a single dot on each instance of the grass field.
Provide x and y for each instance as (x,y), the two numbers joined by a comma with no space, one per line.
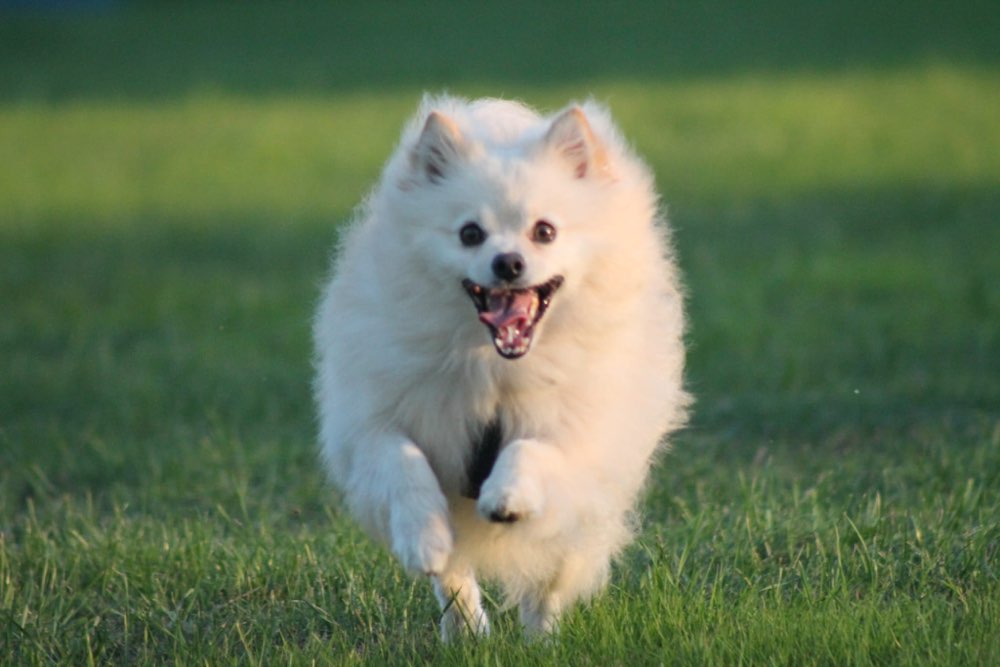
(171,180)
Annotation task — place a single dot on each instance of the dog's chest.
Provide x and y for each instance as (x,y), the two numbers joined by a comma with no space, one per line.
(462,420)
(484,448)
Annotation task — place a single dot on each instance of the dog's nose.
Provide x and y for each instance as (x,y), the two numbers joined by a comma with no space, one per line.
(508,265)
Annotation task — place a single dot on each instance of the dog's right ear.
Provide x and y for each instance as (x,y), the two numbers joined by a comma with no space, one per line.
(440,145)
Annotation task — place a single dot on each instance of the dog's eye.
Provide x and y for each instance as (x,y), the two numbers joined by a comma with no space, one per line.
(543,232)
(471,234)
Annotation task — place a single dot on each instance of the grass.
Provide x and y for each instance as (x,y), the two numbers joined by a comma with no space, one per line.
(165,221)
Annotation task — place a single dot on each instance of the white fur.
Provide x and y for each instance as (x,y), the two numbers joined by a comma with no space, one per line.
(407,374)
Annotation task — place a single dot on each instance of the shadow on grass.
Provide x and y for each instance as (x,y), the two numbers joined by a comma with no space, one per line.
(844,318)
(855,313)
(162,50)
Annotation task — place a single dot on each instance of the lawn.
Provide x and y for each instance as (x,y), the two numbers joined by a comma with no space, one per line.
(171,183)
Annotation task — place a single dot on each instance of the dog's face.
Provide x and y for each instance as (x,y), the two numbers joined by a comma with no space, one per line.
(507,225)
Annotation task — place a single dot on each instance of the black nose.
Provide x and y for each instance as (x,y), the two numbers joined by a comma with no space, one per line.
(508,265)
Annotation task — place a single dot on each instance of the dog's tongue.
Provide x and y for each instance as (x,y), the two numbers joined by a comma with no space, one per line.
(508,309)
(511,314)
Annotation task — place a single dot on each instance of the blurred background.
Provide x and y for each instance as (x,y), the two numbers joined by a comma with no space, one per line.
(173,175)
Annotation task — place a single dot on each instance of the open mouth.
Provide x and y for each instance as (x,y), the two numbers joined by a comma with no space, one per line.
(511,314)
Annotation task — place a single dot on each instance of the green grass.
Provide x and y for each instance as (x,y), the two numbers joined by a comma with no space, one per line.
(171,184)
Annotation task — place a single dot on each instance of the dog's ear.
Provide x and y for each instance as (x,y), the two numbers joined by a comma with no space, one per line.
(571,137)
(440,145)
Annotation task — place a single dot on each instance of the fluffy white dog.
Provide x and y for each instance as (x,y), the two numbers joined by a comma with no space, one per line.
(500,353)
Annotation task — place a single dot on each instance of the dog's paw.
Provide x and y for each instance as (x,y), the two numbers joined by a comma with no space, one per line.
(422,544)
(509,501)
(457,623)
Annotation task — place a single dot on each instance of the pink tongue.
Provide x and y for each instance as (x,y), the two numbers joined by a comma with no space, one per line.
(510,308)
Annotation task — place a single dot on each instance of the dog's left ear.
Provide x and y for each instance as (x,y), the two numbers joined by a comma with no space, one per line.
(572,138)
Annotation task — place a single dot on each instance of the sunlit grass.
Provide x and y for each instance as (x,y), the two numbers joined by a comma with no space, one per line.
(732,139)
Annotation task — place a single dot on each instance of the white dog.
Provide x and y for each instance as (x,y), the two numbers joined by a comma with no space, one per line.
(500,352)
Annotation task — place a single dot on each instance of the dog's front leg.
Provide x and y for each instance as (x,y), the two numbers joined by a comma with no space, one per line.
(514,491)
(535,486)
(394,488)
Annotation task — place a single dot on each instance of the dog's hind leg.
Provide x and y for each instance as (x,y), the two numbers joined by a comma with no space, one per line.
(461,604)
(540,613)
(579,575)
